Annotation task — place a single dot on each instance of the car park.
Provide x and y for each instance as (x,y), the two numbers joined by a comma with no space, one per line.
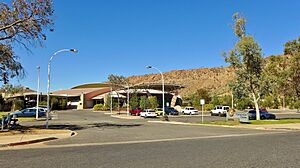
(190,111)
(220,110)
(263,115)
(171,111)
(148,113)
(135,111)
(159,111)
(28,112)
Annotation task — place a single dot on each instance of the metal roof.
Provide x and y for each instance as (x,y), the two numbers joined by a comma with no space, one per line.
(158,86)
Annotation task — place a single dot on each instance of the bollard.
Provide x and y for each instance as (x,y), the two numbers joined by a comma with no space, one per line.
(2,123)
(8,121)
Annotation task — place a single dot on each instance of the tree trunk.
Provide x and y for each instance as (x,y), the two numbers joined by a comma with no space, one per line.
(283,102)
(255,100)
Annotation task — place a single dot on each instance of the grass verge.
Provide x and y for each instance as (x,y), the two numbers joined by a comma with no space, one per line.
(279,121)
(3,113)
(254,122)
(20,118)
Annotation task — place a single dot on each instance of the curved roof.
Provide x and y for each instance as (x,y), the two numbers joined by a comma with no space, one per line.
(157,86)
(91,85)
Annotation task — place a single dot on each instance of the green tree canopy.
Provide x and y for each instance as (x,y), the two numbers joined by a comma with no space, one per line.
(246,59)
(22,22)
(153,102)
(292,48)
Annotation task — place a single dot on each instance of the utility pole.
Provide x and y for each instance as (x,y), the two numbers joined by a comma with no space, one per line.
(38,94)
(111,100)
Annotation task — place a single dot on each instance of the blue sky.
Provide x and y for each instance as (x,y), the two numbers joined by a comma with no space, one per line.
(122,36)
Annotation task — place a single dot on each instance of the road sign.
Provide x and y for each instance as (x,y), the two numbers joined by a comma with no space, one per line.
(242,116)
(202,101)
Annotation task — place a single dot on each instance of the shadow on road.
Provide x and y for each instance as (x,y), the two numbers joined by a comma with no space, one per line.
(74,127)
(113,125)
(52,126)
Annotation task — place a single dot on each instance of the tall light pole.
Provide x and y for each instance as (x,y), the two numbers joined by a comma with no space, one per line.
(127,104)
(163,86)
(38,93)
(48,88)
(111,99)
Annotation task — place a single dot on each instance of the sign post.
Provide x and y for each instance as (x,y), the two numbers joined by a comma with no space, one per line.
(202,102)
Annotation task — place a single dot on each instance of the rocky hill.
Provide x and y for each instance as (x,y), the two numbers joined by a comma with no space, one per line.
(213,79)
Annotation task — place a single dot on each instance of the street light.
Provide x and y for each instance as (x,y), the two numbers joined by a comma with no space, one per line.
(163,86)
(48,88)
(127,104)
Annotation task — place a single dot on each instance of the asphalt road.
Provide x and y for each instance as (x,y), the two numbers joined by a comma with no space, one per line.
(271,150)
(103,141)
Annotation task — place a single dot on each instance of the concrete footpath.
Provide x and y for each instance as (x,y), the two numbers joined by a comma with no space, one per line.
(16,138)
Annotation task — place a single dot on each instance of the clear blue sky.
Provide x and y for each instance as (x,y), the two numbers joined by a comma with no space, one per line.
(122,36)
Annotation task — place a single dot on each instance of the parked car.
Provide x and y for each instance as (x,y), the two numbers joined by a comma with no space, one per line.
(135,111)
(263,115)
(190,111)
(171,111)
(148,113)
(44,109)
(263,109)
(159,111)
(28,112)
(219,110)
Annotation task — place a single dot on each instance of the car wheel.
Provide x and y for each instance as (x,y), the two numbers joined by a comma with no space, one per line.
(263,117)
(190,113)
(211,114)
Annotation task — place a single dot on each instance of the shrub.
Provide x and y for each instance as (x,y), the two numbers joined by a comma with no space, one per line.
(18,105)
(208,107)
(98,107)
(43,103)
(54,103)
(63,104)
(297,105)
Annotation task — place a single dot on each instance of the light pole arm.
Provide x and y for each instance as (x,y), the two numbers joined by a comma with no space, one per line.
(48,87)
(163,87)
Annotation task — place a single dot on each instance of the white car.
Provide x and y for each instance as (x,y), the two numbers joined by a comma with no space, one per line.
(148,113)
(220,110)
(190,111)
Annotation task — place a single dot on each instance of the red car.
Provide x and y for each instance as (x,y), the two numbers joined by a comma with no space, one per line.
(263,109)
(135,111)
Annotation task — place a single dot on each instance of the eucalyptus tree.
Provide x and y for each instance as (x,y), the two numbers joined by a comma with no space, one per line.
(292,49)
(24,23)
(246,59)
(276,73)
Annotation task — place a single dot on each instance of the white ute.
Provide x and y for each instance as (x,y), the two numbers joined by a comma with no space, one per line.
(190,111)
(219,110)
